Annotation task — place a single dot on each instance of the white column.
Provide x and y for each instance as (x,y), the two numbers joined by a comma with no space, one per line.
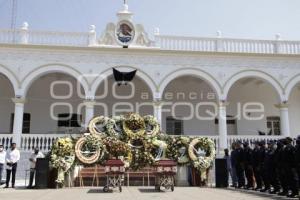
(18,120)
(284,119)
(222,127)
(89,111)
(157,111)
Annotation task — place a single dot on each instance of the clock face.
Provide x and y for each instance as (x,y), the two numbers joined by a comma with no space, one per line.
(125,32)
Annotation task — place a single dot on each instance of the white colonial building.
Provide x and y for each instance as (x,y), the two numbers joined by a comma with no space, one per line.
(46,76)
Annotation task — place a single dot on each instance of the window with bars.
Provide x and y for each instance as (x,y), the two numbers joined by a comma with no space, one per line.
(273,124)
(69,120)
(174,126)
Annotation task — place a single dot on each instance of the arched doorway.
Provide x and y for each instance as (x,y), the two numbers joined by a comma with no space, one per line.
(189,107)
(54,105)
(252,105)
(6,105)
(294,110)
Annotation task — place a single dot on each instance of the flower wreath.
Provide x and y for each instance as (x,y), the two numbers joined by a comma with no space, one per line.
(134,126)
(93,143)
(93,128)
(141,154)
(111,126)
(153,123)
(175,145)
(202,162)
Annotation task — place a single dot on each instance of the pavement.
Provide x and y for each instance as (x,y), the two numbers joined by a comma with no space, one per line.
(133,193)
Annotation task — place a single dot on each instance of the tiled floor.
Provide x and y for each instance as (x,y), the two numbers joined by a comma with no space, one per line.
(132,193)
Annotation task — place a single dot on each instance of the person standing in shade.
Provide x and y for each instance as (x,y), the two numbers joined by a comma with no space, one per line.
(33,158)
(272,168)
(228,163)
(289,153)
(256,166)
(233,163)
(240,170)
(12,158)
(248,166)
(298,156)
(261,161)
(266,167)
(2,161)
(281,168)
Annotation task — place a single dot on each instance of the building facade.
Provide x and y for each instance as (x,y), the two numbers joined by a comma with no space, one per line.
(222,88)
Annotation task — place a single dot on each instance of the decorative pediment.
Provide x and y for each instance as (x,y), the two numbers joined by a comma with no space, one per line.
(125,33)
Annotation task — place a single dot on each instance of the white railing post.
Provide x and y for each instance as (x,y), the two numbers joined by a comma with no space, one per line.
(18,120)
(24,33)
(277,46)
(219,42)
(92,36)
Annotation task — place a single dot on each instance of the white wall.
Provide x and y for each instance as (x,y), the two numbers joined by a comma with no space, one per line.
(39,101)
(294,112)
(254,91)
(189,85)
(130,100)
(6,105)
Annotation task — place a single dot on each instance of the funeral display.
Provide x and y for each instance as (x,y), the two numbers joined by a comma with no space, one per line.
(137,142)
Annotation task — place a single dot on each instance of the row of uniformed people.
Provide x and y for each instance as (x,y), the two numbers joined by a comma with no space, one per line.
(272,167)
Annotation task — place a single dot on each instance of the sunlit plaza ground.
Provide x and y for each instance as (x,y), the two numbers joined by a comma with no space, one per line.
(132,193)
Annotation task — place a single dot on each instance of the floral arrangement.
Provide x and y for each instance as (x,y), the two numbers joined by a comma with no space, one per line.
(89,149)
(62,157)
(177,149)
(115,147)
(114,127)
(98,125)
(137,140)
(142,154)
(152,125)
(134,126)
(202,162)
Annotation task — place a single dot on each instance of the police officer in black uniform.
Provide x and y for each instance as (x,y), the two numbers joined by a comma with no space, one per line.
(290,166)
(281,167)
(298,156)
(266,165)
(240,165)
(256,166)
(261,160)
(248,165)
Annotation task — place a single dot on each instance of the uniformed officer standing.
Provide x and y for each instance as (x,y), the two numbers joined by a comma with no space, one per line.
(233,159)
(240,165)
(281,167)
(256,166)
(265,169)
(298,156)
(248,166)
(290,166)
(272,167)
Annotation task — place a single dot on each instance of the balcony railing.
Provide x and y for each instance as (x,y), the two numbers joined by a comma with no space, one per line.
(45,141)
(227,45)
(163,42)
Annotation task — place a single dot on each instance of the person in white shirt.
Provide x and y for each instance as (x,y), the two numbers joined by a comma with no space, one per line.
(2,161)
(12,158)
(33,158)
